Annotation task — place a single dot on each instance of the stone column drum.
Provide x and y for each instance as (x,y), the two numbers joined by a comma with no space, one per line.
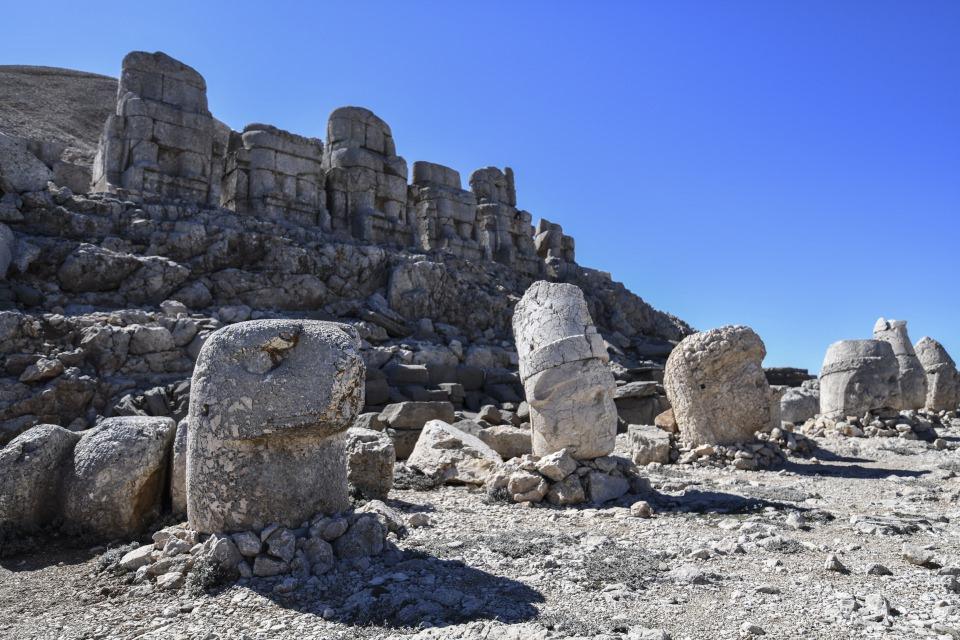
(858,376)
(563,367)
(269,402)
(912,379)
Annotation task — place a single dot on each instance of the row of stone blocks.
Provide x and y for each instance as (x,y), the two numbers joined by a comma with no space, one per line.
(163,141)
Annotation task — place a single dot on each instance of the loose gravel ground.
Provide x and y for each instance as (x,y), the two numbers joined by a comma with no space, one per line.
(727,554)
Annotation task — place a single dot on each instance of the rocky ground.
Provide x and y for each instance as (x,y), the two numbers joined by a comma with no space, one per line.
(860,541)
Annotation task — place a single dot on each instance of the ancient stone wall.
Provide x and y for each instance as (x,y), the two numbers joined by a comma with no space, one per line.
(275,173)
(162,142)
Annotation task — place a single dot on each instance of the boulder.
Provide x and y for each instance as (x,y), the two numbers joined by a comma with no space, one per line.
(858,376)
(269,402)
(943,382)
(93,268)
(648,444)
(912,380)
(453,456)
(30,477)
(413,415)
(717,388)
(507,441)
(370,460)
(114,484)
(603,487)
(563,367)
(799,404)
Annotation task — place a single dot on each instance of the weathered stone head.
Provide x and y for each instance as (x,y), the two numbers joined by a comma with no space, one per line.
(563,367)
(268,404)
(943,382)
(716,386)
(913,381)
(858,376)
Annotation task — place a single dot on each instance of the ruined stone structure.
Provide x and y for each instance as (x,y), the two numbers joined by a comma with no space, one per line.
(943,382)
(858,376)
(912,379)
(563,359)
(268,405)
(716,385)
(275,173)
(162,140)
(446,214)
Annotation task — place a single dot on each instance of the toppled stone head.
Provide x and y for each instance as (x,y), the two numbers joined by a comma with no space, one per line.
(563,367)
(858,376)
(269,402)
(716,386)
(912,379)
(943,382)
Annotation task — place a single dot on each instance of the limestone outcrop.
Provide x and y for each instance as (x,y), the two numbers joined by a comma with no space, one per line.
(912,379)
(268,405)
(943,381)
(858,376)
(563,359)
(717,387)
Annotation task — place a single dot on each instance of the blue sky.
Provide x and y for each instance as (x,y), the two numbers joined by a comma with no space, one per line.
(794,166)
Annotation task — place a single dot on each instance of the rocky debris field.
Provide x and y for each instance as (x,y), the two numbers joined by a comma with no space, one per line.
(860,541)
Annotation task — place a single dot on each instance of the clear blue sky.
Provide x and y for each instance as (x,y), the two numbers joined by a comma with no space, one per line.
(794,166)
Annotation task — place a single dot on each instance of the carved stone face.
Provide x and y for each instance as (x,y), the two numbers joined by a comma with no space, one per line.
(858,376)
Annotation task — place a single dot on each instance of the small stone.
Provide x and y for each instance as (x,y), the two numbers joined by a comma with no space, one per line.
(282,544)
(265,567)
(641,509)
(137,558)
(748,629)
(833,564)
(557,465)
(418,520)
(878,570)
(248,543)
(172,580)
(915,554)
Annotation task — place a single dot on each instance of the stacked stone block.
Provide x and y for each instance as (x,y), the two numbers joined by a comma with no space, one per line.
(445,213)
(162,140)
(366,179)
(276,173)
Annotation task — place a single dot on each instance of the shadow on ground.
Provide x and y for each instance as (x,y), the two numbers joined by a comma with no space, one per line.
(419,588)
(699,501)
(854,471)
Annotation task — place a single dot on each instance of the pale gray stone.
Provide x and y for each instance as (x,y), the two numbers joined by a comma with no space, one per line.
(370,460)
(453,456)
(912,379)
(717,389)
(178,471)
(943,381)
(30,476)
(799,404)
(648,444)
(269,402)
(858,376)
(563,367)
(115,481)
(603,487)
